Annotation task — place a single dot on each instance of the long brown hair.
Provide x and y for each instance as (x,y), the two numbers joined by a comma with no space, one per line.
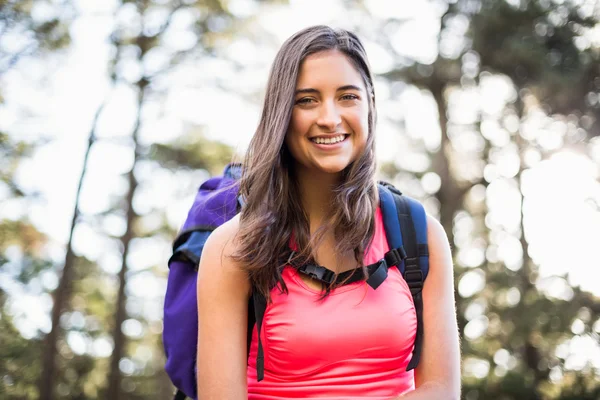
(273,209)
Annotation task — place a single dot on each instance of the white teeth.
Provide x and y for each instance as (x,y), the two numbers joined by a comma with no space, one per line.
(333,140)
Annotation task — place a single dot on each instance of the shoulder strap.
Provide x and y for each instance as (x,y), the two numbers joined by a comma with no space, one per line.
(259,304)
(407,216)
(391,222)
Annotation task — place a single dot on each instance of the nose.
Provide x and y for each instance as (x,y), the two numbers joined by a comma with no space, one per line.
(329,116)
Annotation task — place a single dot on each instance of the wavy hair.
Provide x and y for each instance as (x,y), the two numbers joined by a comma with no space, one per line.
(273,211)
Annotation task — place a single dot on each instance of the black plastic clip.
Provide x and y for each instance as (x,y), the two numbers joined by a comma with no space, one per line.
(318,272)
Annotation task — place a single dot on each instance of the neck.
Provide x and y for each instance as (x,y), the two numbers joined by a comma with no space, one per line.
(316,193)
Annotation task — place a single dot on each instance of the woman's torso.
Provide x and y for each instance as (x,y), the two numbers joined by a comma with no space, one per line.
(356,343)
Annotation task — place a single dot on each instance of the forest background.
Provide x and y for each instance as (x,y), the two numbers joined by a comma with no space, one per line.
(113,112)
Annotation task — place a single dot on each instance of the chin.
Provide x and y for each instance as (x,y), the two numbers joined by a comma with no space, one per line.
(335,168)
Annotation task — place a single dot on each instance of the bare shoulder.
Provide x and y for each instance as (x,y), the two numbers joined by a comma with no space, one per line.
(436,235)
(437,241)
(223,237)
(217,264)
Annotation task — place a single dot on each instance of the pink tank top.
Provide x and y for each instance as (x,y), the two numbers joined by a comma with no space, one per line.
(354,344)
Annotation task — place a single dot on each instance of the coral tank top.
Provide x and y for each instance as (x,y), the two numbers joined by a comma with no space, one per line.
(354,344)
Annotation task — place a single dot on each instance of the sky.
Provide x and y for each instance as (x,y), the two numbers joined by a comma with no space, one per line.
(562,193)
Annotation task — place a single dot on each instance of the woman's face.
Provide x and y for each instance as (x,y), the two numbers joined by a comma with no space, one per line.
(329,125)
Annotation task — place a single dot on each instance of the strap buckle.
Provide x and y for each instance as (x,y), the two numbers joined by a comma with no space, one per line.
(317,272)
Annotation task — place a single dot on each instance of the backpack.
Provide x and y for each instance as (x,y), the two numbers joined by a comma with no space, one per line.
(216,202)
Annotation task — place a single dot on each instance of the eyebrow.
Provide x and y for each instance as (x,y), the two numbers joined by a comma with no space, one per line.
(345,87)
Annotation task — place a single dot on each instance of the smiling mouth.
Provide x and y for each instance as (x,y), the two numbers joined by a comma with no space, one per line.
(329,139)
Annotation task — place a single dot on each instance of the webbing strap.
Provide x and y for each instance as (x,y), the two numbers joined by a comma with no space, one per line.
(251,322)
(414,361)
(379,275)
(395,256)
(413,275)
(409,236)
(260,305)
(390,217)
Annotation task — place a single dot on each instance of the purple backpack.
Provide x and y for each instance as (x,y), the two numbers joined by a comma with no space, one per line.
(218,201)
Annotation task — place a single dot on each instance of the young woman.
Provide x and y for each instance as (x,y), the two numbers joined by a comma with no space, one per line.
(309,185)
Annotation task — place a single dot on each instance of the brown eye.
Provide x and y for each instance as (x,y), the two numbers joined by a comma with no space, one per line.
(305,100)
(349,97)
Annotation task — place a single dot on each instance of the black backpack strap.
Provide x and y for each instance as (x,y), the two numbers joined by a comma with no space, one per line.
(179,395)
(413,275)
(260,306)
(251,322)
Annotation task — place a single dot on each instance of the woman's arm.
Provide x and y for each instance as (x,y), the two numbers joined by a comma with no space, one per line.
(223,294)
(437,377)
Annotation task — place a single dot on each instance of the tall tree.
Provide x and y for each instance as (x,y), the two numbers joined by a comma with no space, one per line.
(28,34)
(538,45)
(114,380)
(213,26)
(63,291)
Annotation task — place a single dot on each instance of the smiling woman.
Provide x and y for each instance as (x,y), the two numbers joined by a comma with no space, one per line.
(329,126)
(312,244)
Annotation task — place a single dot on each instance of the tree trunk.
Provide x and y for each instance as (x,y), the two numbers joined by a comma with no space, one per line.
(63,291)
(530,353)
(449,195)
(114,381)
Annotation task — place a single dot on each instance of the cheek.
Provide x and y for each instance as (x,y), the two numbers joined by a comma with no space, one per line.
(298,123)
(360,122)
(297,131)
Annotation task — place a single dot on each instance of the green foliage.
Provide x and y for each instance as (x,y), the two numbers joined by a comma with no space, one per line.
(11,154)
(192,151)
(19,359)
(531,42)
(19,356)
(47,32)
(20,233)
(541,46)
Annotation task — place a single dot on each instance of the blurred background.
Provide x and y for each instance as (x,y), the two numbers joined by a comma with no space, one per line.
(113,112)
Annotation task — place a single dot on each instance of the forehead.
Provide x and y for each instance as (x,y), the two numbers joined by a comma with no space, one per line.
(328,69)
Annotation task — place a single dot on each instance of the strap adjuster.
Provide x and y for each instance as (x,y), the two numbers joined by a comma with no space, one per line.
(414,280)
(395,256)
(413,276)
